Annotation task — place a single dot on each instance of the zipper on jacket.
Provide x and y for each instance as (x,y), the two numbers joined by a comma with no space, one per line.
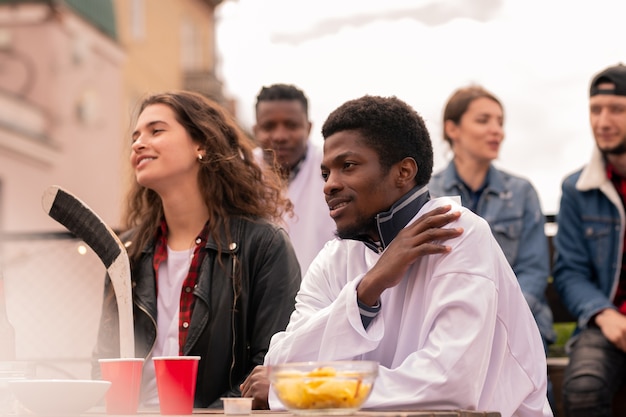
(156,329)
(232,320)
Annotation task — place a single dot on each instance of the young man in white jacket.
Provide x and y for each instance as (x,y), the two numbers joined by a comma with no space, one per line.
(450,330)
(282,131)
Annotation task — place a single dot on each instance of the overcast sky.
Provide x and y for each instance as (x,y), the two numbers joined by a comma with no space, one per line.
(537,56)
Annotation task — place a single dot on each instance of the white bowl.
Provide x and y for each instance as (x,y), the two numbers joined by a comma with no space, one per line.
(56,397)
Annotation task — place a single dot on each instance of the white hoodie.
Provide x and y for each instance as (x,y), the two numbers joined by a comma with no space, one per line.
(456,333)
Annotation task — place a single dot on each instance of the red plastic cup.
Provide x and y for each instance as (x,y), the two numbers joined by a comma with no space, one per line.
(176,383)
(125,376)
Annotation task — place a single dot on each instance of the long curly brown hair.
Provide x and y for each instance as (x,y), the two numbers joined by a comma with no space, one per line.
(231,181)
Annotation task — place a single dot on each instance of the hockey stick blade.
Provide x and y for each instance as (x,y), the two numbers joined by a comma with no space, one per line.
(83,222)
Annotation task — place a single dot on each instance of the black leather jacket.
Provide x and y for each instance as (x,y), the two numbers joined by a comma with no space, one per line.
(230,337)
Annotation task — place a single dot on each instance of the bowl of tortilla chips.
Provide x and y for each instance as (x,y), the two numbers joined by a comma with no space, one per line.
(335,387)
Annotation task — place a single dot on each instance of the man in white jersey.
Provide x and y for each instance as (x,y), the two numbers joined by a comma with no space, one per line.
(450,330)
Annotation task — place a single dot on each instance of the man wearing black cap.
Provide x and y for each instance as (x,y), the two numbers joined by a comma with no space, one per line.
(590,267)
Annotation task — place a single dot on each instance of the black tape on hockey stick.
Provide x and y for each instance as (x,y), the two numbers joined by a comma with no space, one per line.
(79,219)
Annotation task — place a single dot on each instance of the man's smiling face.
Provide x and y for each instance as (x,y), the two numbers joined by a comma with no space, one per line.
(357,186)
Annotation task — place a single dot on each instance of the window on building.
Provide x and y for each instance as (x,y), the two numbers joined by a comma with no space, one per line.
(192,50)
(137,19)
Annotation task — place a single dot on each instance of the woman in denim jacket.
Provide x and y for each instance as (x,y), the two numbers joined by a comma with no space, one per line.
(473,127)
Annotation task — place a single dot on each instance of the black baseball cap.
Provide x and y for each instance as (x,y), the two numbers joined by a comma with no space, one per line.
(615,75)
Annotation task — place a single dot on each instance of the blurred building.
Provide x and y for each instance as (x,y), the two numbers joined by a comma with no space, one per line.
(71,72)
(169,44)
(60,88)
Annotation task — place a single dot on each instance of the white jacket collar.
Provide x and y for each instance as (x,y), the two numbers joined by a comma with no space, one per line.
(593,176)
(594,173)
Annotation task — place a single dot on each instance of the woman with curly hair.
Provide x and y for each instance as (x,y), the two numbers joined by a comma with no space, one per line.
(213,274)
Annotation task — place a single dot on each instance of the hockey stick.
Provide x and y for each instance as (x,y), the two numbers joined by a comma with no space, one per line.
(83,222)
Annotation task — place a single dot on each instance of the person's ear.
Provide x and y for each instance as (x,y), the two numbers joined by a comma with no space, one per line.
(407,171)
(308,129)
(451,129)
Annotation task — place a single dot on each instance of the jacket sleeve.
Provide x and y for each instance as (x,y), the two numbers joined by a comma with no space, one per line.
(532,265)
(322,317)
(573,267)
(275,282)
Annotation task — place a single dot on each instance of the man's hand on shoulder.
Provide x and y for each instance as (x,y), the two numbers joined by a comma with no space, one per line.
(421,238)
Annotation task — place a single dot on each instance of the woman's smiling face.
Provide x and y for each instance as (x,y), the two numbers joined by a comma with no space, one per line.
(162,154)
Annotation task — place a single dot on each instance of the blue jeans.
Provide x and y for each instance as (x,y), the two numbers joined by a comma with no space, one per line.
(596,370)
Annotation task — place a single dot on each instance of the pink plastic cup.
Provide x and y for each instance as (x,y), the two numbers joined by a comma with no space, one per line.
(176,383)
(125,377)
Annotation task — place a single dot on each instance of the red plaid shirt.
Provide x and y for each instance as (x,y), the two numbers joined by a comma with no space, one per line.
(187,299)
(620,185)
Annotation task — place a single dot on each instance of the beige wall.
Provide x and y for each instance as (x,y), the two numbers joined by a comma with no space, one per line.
(73,96)
(154,55)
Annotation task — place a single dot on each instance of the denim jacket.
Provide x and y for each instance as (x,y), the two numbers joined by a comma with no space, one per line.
(511,206)
(589,241)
